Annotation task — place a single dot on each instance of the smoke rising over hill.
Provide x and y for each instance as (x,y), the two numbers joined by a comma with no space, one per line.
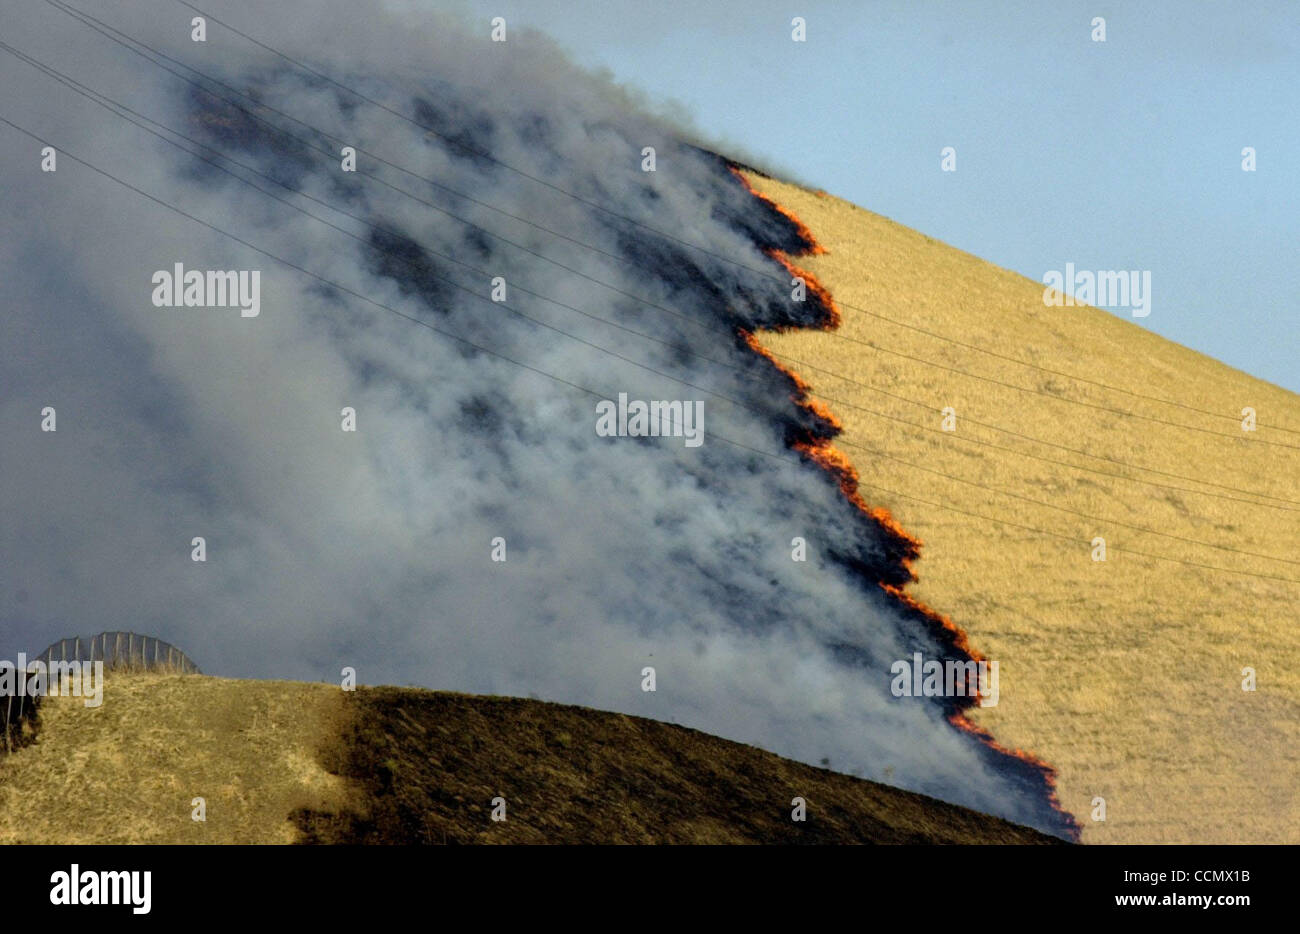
(372,549)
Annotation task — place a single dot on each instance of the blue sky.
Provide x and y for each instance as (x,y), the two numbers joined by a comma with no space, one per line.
(1117,155)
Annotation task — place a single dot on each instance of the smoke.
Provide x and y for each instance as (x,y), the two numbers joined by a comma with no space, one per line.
(372,549)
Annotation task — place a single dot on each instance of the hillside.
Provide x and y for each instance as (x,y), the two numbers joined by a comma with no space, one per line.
(281,762)
(1124,675)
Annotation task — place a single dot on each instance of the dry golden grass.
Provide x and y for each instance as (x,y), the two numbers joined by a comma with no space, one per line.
(1125,675)
(126,772)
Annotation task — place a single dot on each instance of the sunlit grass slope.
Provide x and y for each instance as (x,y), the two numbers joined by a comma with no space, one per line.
(128,770)
(1126,675)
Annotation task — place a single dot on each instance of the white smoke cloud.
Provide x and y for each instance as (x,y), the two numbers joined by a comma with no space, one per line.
(371,549)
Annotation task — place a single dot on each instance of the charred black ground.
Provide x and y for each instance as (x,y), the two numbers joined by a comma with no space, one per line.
(428,766)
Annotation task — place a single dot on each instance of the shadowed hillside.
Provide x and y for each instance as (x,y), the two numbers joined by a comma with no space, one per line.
(429,765)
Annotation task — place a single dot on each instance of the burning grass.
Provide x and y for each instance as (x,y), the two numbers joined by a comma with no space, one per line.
(906,546)
(1126,674)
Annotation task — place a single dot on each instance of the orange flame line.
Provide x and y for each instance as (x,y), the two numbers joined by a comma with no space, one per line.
(799,225)
(837,464)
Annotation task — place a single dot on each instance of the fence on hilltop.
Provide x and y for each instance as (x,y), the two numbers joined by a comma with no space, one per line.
(117,650)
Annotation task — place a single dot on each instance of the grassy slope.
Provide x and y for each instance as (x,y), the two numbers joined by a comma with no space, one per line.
(282,761)
(1126,675)
(126,772)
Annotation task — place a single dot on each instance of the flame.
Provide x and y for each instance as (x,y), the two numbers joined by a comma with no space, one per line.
(835,462)
(957,635)
(814,288)
(816,248)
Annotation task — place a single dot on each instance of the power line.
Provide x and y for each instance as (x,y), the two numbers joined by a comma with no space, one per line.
(1053,444)
(1027,499)
(1048,395)
(87,19)
(110,104)
(1079,467)
(583,389)
(409,263)
(483,154)
(700,324)
(464,147)
(91,95)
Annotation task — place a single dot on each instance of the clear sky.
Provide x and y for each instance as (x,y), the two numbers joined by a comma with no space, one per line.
(1123,154)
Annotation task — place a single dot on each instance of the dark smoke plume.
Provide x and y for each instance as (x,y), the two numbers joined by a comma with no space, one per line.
(372,549)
